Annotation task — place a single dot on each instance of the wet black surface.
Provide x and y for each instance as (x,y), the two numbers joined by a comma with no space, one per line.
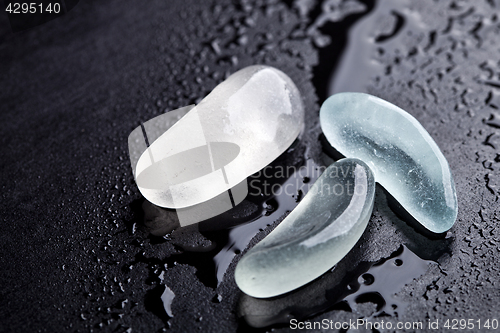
(74,250)
(345,288)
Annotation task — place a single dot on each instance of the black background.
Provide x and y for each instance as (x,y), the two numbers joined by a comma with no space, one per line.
(72,90)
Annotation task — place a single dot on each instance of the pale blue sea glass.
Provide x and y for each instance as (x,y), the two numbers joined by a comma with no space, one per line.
(318,233)
(404,158)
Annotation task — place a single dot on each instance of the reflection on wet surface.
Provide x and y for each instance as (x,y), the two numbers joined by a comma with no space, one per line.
(273,193)
(343,288)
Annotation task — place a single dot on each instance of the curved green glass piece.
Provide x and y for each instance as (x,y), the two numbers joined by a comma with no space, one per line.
(317,234)
(404,158)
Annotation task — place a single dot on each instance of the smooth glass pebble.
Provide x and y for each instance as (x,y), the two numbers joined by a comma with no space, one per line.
(404,158)
(317,234)
(245,123)
(221,153)
(153,129)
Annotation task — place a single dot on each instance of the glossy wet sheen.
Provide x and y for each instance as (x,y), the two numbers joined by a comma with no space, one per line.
(404,158)
(319,232)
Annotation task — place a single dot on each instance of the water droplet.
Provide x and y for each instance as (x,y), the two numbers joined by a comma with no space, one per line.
(366,279)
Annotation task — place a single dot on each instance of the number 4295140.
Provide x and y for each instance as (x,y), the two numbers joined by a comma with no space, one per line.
(23,8)
(460,324)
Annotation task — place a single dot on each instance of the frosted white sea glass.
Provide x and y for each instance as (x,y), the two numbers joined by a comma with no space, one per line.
(240,127)
(216,155)
(153,129)
(317,234)
(404,158)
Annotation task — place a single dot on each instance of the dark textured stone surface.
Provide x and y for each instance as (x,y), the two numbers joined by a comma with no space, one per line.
(72,251)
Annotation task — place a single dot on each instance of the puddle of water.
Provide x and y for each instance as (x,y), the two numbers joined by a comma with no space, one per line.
(375,283)
(332,56)
(286,197)
(354,67)
(167,297)
(159,301)
(273,193)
